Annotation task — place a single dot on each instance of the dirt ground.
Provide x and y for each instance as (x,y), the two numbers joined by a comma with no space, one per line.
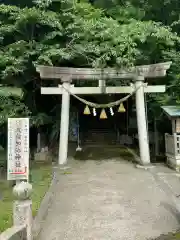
(111,199)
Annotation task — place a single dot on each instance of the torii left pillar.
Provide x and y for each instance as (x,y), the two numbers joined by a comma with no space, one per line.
(64,125)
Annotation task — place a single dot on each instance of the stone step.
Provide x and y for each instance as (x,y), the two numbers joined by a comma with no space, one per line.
(100,135)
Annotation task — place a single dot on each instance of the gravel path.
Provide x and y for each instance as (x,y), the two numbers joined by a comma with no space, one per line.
(108,200)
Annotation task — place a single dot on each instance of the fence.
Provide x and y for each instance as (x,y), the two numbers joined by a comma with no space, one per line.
(22,214)
(177,144)
(172,144)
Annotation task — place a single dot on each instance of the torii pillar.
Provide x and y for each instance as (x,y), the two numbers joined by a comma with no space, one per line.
(64,122)
(142,121)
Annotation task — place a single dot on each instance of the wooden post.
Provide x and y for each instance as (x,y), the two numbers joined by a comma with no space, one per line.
(156,138)
(173,125)
(141,121)
(64,125)
(39,141)
(175,144)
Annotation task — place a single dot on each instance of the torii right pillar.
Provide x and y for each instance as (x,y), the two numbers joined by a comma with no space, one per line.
(142,121)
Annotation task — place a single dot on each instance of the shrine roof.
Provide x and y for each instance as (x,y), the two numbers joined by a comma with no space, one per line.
(172,111)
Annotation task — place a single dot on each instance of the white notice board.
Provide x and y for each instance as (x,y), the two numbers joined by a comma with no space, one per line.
(18,149)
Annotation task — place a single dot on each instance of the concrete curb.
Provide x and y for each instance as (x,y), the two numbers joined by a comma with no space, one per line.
(45,204)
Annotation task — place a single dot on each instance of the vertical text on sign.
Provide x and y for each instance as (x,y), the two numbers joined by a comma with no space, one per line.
(18,149)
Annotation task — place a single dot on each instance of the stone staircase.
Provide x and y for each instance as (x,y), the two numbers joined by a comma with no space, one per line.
(100,136)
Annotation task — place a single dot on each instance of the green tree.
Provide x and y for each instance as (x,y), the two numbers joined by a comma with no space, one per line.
(77,34)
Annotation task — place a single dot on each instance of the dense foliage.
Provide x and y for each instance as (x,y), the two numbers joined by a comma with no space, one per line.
(117,33)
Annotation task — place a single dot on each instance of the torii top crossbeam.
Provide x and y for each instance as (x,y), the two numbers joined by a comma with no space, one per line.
(146,71)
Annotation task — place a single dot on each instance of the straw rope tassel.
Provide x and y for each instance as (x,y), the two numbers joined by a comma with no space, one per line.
(121,108)
(103,114)
(87,110)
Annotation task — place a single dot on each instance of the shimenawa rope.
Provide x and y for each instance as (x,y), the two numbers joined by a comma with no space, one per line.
(106,105)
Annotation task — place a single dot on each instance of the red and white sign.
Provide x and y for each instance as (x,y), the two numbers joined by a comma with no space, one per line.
(18,149)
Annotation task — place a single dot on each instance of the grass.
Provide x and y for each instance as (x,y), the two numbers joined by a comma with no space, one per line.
(41,175)
(102,153)
(170,236)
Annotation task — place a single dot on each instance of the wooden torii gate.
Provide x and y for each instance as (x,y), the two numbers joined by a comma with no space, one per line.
(138,75)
